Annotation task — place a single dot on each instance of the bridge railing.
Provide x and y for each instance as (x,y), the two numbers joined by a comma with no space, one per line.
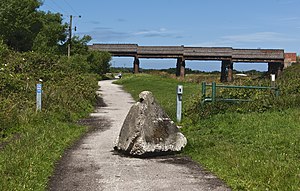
(160,50)
(214,87)
(258,54)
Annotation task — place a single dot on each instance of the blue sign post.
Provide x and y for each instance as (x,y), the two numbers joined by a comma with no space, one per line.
(38,97)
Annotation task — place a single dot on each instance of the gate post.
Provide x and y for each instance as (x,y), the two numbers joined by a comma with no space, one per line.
(214,91)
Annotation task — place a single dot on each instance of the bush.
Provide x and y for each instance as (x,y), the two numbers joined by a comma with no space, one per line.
(99,62)
(68,87)
(262,100)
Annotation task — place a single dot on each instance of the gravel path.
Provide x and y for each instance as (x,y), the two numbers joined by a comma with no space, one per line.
(91,164)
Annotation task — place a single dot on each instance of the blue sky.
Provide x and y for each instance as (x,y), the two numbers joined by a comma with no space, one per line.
(232,23)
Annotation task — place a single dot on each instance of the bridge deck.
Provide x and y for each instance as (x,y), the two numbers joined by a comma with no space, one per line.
(193,53)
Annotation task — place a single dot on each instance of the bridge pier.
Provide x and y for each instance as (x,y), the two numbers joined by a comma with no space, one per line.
(275,68)
(230,72)
(226,71)
(180,67)
(136,65)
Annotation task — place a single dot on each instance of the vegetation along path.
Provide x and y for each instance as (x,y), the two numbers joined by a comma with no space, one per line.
(93,165)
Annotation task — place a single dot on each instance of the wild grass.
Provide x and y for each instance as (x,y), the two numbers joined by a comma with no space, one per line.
(256,151)
(27,162)
(32,142)
(249,151)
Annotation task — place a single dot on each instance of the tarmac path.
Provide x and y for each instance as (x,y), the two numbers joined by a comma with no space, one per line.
(91,164)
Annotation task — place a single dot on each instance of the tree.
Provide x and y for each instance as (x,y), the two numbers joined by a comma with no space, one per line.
(25,28)
(52,35)
(20,23)
(99,62)
(79,45)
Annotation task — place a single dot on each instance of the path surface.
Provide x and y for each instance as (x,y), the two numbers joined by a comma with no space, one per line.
(93,165)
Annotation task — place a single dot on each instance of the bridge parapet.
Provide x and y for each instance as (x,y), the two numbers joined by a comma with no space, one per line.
(117,49)
(258,55)
(160,51)
(210,53)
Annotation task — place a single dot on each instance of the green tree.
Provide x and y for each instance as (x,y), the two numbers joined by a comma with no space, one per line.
(52,35)
(20,23)
(79,45)
(99,61)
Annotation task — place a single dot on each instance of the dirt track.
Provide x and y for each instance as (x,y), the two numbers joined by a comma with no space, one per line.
(91,164)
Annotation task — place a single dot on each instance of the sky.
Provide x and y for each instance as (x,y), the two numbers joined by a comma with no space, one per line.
(262,24)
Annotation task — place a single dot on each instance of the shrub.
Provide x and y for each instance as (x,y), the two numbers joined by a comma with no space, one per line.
(68,87)
(99,62)
(262,100)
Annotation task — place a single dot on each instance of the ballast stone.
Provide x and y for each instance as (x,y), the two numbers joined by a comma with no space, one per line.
(147,129)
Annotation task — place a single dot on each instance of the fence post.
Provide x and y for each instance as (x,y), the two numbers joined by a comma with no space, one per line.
(203,90)
(213,89)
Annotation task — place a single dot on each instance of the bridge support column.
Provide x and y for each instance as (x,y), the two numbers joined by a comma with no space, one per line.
(180,67)
(178,64)
(223,77)
(136,65)
(275,68)
(230,72)
(226,71)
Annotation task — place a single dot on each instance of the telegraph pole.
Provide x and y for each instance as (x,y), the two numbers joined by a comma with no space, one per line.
(70,36)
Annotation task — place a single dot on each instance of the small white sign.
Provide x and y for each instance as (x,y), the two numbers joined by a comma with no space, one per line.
(273,77)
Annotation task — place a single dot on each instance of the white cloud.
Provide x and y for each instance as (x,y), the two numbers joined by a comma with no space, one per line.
(110,34)
(161,31)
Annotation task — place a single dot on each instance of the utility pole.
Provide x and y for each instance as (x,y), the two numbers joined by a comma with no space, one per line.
(70,36)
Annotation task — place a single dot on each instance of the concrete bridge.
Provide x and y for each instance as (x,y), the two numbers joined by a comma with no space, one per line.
(228,55)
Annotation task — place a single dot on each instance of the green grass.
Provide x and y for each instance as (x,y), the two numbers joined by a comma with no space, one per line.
(163,88)
(27,162)
(250,151)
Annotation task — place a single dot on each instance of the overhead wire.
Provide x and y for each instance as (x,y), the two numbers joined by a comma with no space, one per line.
(76,14)
(64,12)
(69,5)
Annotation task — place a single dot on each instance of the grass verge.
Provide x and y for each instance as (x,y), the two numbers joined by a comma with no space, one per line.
(256,151)
(27,162)
(249,151)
